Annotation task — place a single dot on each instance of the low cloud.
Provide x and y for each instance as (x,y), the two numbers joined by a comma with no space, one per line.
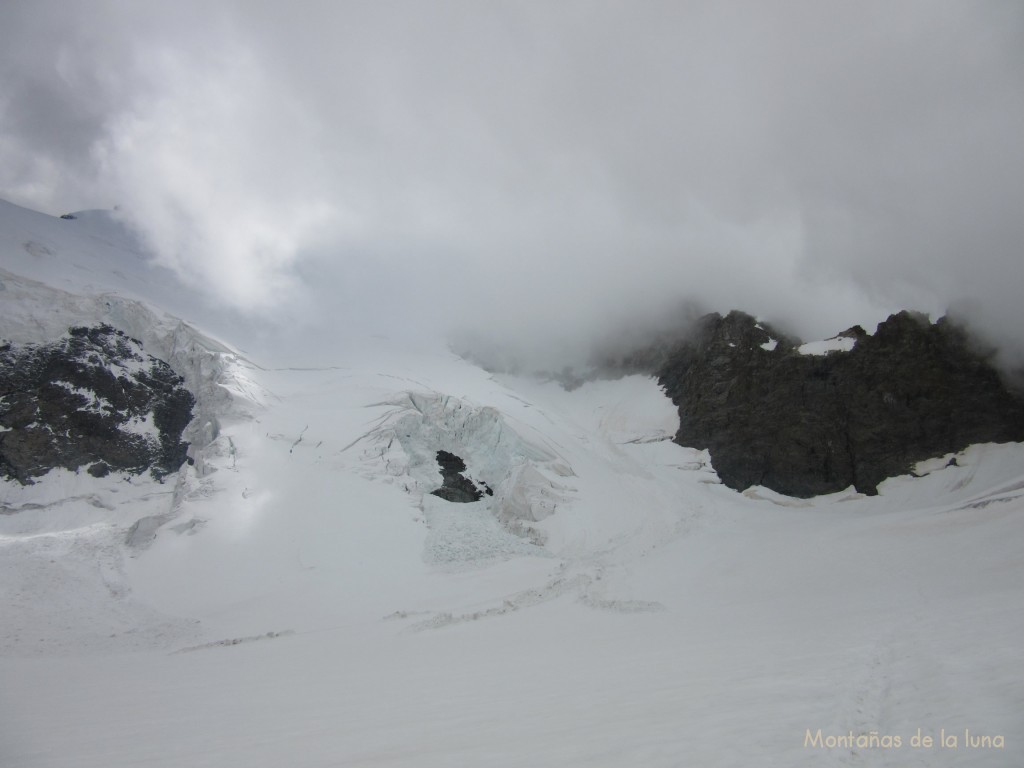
(213,181)
(543,172)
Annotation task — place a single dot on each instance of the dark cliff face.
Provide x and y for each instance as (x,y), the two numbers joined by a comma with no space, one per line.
(804,425)
(455,485)
(93,399)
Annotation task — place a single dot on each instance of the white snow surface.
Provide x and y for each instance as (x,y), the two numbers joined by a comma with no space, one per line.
(297,597)
(834,344)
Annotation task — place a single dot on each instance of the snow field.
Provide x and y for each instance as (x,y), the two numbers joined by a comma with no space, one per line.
(296,596)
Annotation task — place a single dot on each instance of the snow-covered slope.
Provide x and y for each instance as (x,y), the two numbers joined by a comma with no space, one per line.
(297,597)
(834,344)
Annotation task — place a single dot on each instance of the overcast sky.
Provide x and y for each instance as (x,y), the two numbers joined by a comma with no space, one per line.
(538,169)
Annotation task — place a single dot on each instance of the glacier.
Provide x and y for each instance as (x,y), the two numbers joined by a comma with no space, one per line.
(295,595)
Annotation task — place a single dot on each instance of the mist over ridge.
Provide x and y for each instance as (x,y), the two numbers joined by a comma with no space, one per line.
(548,175)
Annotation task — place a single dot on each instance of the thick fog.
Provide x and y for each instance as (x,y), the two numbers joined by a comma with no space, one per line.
(539,173)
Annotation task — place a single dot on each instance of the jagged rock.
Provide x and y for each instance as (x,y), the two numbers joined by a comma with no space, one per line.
(456,486)
(804,425)
(93,398)
(99,469)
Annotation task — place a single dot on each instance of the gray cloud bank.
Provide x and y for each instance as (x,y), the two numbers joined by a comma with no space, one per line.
(544,171)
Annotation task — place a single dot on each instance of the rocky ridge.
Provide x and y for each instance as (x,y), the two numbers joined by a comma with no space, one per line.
(92,399)
(809,424)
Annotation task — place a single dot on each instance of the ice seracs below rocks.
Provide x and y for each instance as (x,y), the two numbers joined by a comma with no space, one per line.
(513,477)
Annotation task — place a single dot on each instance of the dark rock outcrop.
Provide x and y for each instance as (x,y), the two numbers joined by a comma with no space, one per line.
(93,399)
(456,486)
(804,425)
